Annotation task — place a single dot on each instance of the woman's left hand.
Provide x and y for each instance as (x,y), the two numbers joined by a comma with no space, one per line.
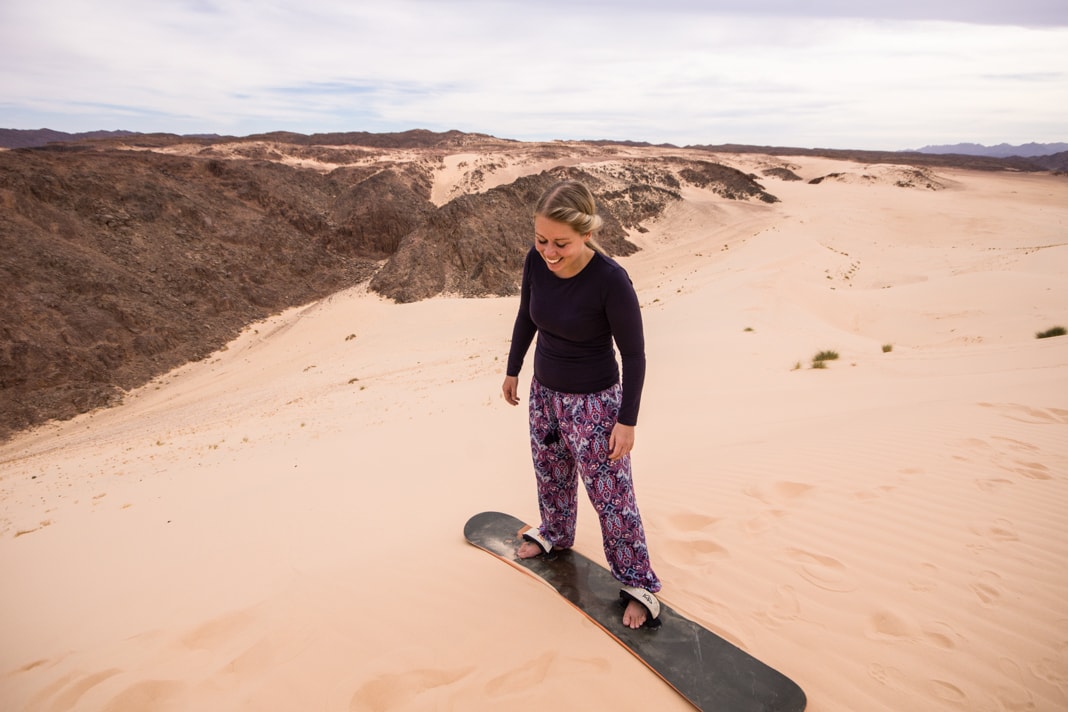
(621,442)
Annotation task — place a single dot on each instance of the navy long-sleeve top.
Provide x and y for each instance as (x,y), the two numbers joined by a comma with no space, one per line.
(576,320)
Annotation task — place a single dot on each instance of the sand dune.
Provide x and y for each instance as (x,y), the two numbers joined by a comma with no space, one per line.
(278,527)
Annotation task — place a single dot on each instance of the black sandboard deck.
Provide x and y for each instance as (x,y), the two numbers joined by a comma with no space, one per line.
(704,668)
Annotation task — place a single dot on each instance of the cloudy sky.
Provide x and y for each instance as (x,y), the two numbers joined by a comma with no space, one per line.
(888,74)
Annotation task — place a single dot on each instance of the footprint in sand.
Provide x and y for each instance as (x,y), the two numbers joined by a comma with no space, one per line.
(993,484)
(695,552)
(65,692)
(1033,470)
(874,493)
(693,521)
(882,674)
(531,673)
(777,495)
(1029,468)
(1028,414)
(927,581)
(149,695)
(693,542)
(987,589)
(35,664)
(946,691)
(1016,694)
(787,606)
(764,521)
(239,642)
(822,571)
(1051,670)
(998,530)
(887,624)
(944,637)
(399,690)
(1018,445)
(219,631)
(528,676)
(779,492)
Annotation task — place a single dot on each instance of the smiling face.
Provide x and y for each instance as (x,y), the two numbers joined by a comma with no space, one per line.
(564,250)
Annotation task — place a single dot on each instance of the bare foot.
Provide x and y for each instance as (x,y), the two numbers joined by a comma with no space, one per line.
(635,615)
(528,550)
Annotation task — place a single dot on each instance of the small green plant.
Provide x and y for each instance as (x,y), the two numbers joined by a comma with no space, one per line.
(819,359)
(1055,331)
(887,348)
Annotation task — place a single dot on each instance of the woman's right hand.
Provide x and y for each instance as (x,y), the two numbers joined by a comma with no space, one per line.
(510,390)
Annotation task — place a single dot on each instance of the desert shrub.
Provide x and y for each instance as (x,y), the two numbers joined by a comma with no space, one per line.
(887,348)
(820,359)
(1055,331)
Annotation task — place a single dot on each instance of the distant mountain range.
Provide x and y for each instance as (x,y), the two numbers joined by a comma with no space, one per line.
(1002,150)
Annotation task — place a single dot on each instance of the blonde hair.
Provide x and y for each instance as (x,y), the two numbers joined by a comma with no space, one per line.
(571,203)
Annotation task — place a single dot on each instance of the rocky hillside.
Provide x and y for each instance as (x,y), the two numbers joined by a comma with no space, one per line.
(120,261)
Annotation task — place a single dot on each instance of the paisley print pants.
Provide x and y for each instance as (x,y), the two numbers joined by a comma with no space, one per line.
(569,439)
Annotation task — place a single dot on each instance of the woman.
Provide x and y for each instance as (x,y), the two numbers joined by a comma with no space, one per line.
(582,414)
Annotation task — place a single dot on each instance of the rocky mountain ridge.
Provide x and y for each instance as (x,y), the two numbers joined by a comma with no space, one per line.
(120,261)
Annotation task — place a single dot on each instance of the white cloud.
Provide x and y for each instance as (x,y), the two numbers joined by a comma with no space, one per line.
(757,72)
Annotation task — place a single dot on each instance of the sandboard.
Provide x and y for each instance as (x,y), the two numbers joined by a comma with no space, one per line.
(707,670)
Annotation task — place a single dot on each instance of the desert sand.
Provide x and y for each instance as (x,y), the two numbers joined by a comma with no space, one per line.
(279,526)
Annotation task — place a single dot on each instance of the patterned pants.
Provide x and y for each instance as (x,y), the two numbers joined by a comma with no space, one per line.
(569,438)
